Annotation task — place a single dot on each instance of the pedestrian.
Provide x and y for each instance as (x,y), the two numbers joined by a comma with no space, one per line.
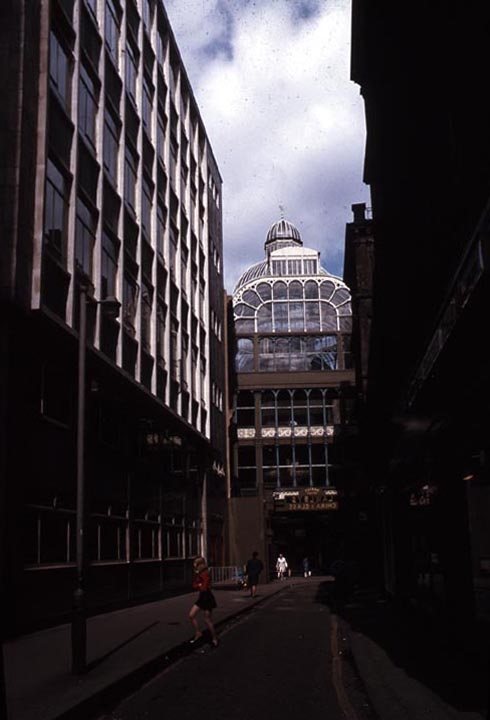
(205,600)
(306,567)
(253,569)
(281,566)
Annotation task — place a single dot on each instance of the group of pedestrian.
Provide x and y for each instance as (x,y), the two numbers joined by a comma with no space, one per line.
(206,601)
(284,570)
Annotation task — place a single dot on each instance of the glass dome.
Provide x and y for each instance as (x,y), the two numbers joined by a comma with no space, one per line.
(281,235)
(302,313)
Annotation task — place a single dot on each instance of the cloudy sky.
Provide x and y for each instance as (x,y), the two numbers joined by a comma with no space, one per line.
(271,78)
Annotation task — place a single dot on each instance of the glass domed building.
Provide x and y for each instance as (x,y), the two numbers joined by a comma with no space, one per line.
(295,397)
(300,312)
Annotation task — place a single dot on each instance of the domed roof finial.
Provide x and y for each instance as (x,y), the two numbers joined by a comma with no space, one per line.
(281,211)
(282,234)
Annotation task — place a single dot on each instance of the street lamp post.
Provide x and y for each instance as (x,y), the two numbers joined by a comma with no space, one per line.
(79,626)
(79,620)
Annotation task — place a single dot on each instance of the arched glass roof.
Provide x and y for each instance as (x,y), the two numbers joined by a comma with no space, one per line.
(293,304)
(301,313)
(289,291)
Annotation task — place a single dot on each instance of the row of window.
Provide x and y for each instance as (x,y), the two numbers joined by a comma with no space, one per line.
(322,288)
(309,316)
(288,465)
(299,266)
(299,353)
(50,538)
(60,73)
(146,96)
(287,455)
(311,408)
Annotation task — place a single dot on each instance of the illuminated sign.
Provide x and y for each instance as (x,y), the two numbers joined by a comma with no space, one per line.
(305,499)
(423,497)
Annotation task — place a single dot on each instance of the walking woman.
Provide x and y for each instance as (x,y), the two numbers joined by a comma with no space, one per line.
(205,600)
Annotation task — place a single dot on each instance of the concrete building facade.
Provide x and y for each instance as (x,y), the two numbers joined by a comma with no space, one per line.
(110,192)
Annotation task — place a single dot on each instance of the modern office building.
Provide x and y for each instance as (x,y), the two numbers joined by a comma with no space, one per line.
(112,253)
(427,388)
(293,468)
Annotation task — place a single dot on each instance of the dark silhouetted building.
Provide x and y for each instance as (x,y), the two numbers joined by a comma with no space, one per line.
(427,394)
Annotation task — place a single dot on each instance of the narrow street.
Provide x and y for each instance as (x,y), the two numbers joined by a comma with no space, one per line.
(286,659)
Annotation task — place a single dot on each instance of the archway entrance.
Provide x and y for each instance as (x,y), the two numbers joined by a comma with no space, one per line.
(316,535)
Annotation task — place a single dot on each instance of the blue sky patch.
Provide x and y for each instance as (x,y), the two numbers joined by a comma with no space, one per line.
(306,9)
(222,44)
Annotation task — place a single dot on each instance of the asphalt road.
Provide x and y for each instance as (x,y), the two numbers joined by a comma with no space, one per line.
(284,660)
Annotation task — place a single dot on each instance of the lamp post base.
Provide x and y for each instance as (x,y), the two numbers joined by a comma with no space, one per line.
(79,634)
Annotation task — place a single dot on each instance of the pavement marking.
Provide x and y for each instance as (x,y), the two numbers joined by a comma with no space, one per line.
(337,681)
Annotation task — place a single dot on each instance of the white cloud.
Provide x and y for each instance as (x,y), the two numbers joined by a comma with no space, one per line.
(285,122)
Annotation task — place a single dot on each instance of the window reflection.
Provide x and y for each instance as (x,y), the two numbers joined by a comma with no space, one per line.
(280,291)
(244,361)
(311,290)
(265,291)
(264,318)
(280,317)
(295,290)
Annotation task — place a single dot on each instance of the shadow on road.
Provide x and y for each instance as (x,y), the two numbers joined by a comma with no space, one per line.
(452,660)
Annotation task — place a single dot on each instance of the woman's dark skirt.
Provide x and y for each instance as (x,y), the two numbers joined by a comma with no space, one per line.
(206,600)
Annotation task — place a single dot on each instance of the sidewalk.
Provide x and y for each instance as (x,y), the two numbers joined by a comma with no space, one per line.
(125,648)
(408,670)
(412,667)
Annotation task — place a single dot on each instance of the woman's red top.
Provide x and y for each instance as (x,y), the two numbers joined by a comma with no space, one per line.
(202,581)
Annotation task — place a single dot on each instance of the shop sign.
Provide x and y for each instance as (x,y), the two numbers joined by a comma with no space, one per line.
(423,497)
(162,439)
(305,499)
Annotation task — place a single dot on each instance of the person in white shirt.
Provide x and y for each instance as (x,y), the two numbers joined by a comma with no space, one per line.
(281,566)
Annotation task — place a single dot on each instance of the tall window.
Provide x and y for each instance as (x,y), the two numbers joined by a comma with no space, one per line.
(161,139)
(147,105)
(174,350)
(146,301)
(174,154)
(184,256)
(112,31)
(55,210)
(130,299)
(161,331)
(174,239)
(84,237)
(146,14)
(202,361)
(109,266)
(59,70)
(92,5)
(111,145)
(161,45)
(146,205)
(161,215)
(131,72)
(130,170)
(87,106)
